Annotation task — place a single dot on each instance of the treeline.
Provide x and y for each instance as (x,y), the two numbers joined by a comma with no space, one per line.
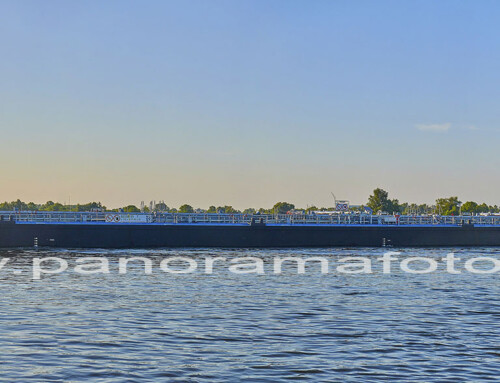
(49,206)
(378,202)
(279,208)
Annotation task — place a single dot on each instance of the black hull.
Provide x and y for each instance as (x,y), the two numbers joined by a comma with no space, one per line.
(201,235)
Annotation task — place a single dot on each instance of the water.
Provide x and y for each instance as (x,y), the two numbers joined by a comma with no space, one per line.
(199,327)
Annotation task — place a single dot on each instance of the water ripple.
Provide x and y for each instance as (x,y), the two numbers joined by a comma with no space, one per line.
(438,327)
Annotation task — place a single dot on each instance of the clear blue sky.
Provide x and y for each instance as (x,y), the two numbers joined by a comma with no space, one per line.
(249,102)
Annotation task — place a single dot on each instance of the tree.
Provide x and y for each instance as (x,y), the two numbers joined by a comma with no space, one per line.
(227,209)
(283,207)
(47,206)
(249,211)
(469,207)
(397,207)
(131,209)
(90,206)
(483,208)
(19,205)
(448,206)
(379,201)
(186,209)
(52,206)
(212,209)
(161,206)
(32,206)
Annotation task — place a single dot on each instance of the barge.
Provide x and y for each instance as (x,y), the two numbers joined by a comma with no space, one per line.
(143,230)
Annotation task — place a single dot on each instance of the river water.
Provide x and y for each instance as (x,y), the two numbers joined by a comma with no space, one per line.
(224,326)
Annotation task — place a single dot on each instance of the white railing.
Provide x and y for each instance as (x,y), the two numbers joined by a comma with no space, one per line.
(281,219)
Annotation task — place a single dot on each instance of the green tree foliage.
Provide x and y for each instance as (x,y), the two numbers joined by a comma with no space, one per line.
(398,208)
(16,205)
(53,206)
(88,207)
(448,206)
(186,209)
(379,201)
(483,208)
(227,210)
(469,207)
(475,208)
(282,207)
(131,209)
(31,206)
(48,206)
(162,207)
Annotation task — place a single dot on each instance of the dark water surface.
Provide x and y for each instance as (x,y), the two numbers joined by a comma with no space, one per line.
(198,327)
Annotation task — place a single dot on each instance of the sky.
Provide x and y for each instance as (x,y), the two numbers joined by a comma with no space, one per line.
(247,103)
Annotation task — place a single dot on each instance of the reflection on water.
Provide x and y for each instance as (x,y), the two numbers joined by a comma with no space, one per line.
(226,327)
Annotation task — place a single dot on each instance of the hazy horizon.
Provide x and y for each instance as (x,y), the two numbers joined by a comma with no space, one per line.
(249,103)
